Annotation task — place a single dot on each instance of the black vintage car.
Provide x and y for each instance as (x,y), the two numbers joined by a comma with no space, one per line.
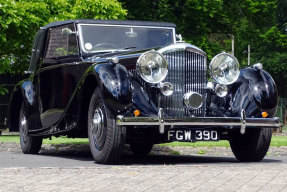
(131,82)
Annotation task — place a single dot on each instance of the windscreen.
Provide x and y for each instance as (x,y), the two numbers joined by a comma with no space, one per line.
(99,38)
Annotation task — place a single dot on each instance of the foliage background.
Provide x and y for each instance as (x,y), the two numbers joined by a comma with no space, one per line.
(21,19)
(207,24)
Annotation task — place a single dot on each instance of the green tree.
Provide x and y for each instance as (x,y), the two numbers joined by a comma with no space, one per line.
(208,24)
(20,20)
(272,52)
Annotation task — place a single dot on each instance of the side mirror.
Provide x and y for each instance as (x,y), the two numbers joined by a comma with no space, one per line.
(67,32)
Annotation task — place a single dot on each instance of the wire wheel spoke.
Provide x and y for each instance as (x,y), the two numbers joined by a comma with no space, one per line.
(99,130)
(23,127)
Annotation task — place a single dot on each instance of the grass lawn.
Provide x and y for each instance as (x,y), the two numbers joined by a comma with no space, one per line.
(55,140)
(275,142)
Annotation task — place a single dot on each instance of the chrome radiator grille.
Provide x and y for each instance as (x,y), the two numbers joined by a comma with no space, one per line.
(187,71)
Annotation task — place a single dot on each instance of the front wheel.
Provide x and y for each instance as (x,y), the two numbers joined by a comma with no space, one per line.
(29,144)
(251,146)
(106,139)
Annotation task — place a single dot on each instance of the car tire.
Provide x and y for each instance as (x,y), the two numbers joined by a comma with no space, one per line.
(106,139)
(251,146)
(29,144)
(141,149)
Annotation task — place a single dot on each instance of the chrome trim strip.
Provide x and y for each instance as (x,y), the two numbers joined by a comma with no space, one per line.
(60,65)
(128,56)
(181,47)
(200,121)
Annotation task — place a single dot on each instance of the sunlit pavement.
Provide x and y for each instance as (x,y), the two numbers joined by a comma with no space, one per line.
(48,172)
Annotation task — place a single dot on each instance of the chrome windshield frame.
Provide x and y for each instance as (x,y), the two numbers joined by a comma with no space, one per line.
(81,41)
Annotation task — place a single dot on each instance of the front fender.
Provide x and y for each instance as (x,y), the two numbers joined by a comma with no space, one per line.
(114,82)
(255,91)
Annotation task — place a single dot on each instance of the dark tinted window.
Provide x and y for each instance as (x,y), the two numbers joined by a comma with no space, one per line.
(97,38)
(61,45)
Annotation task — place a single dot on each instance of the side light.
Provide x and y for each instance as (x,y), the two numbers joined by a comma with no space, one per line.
(221,90)
(166,88)
(264,114)
(137,112)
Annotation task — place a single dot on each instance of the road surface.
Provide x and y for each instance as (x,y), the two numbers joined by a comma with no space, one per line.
(72,172)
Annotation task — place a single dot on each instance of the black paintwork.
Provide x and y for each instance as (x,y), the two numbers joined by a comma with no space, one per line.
(56,95)
(254,91)
(109,22)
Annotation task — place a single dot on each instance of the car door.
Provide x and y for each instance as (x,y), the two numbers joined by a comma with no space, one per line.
(57,76)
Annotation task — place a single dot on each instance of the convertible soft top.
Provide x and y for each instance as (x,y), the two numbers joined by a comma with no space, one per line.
(110,22)
(40,37)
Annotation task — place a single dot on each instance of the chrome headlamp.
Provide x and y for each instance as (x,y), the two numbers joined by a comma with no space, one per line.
(224,68)
(152,67)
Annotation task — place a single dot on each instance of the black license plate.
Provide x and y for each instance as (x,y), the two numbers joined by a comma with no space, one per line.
(190,135)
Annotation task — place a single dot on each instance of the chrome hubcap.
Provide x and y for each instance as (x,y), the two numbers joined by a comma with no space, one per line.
(23,127)
(98,126)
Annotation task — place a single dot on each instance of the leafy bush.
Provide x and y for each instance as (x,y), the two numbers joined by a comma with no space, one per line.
(21,19)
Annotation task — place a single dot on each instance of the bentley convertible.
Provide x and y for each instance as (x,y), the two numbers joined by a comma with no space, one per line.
(133,82)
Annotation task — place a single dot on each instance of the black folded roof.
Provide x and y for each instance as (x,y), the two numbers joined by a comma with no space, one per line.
(110,22)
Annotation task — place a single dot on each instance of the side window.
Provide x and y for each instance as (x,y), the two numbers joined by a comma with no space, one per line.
(60,44)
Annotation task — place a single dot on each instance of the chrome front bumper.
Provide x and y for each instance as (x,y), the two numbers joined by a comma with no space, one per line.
(231,122)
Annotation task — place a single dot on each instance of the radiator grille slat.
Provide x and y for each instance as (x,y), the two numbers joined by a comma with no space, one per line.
(187,71)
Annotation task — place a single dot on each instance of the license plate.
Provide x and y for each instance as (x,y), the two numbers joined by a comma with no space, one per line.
(188,135)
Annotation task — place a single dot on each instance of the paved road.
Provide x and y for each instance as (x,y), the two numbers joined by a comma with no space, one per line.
(17,159)
(56,172)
